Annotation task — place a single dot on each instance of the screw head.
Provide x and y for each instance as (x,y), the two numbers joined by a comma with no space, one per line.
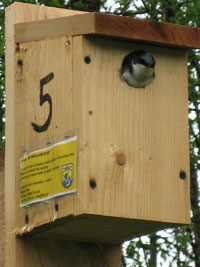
(26,219)
(182,175)
(56,207)
(92,183)
(87,59)
(20,63)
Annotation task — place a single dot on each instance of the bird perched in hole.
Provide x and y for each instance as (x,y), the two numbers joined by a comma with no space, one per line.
(138,69)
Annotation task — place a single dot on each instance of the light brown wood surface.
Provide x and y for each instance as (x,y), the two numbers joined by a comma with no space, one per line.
(33,252)
(71,25)
(132,142)
(2,208)
(23,12)
(147,128)
(111,26)
(42,58)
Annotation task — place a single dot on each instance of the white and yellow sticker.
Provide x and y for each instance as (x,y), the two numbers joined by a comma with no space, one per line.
(48,173)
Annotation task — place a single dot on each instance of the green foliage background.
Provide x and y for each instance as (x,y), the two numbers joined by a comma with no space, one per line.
(174,247)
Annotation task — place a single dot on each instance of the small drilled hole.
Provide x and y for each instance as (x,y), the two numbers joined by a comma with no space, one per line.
(56,207)
(93,183)
(26,219)
(87,59)
(20,63)
(183,175)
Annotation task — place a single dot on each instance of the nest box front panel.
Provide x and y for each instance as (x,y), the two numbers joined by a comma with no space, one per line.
(136,140)
(44,111)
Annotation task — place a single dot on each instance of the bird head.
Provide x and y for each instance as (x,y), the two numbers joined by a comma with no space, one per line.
(138,69)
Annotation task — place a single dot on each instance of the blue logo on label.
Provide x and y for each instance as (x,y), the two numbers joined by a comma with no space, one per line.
(67,175)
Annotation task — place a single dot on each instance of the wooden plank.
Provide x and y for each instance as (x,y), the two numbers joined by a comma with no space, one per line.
(148,128)
(52,253)
(102,96)
(147,31)
(24,12)
(10,245)
(83,228)
(42,58)
(86,77)
(113,121)
(2,204)
(35,251)
(39,30)
(20,252)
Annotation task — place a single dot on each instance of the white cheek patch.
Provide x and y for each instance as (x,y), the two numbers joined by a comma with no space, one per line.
(140,77)
(141,72)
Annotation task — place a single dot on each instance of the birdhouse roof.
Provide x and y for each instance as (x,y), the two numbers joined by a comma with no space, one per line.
(146,31)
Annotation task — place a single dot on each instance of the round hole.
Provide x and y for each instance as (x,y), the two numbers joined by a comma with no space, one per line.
(144,59)
(93,183)
(20,63)
(56,207)
(87,60)
(183,175)
(26,219)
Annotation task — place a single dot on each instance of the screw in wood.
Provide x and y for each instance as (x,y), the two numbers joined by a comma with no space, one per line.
(183,175)
(26,219)
(92,183)
(87,59)
(20,63)
(56,207)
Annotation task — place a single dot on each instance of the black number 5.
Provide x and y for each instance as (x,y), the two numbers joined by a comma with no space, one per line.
(44,98)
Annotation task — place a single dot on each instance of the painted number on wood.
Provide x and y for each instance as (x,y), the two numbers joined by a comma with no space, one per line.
(44,98)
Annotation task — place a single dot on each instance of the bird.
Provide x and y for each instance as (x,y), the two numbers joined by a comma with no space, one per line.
(138,69)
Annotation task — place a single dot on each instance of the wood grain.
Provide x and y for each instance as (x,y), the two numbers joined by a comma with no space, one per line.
(2,205)
(58,253)
(128,139)
(37,58)
(133,143)
(24,12)
(111,230)
(17,252)
(164,34)
(148,128)
(136,134)
(39,30)
(10,193)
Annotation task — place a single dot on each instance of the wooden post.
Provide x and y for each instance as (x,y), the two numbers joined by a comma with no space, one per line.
(30,251)
(2,209)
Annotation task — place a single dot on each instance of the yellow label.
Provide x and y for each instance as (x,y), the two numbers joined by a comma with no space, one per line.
(48,173)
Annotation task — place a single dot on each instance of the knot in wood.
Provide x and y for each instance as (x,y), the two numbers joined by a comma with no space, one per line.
(121,160)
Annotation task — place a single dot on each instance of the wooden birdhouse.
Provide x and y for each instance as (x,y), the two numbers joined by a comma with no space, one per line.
(89,157)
